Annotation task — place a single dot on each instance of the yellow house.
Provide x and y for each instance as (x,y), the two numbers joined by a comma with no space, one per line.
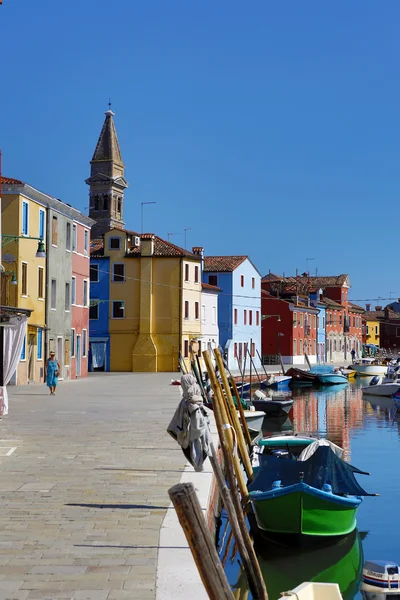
(24,279)
(373,326)
(155,302)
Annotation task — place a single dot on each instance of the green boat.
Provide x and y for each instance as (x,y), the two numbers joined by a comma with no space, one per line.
(314,495)
(284,569)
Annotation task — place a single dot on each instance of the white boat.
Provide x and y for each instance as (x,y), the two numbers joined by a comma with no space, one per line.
(254,419)
(380,580)
(379,386)
(314,591)
(368,366)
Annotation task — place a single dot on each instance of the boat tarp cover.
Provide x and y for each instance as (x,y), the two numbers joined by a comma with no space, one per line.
(322,369)
(324,466)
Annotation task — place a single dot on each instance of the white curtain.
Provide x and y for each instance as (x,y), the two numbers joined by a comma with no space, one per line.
(13,339)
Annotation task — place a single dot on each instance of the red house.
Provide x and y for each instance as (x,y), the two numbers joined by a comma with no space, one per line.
(80,300)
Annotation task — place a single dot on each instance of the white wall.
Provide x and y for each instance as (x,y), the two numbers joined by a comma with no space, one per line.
(209,319)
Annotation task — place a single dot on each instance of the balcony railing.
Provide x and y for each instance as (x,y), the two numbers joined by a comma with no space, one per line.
(307,330)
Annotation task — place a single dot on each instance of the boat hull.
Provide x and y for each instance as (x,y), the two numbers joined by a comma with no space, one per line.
(280,382)
(300,376)
(301,510)
(384,389)
(254,420)
(332,379)
(273,408)
(370,370)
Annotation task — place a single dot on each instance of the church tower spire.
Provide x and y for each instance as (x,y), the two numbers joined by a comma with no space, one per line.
(106,181)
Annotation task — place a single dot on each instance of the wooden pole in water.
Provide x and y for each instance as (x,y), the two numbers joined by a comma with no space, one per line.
(222,421)
(201,543)
(232,410)
(254,366)
(244,370)
(262,364)
(234,520)
(255,577)
(241,411)
(250,367)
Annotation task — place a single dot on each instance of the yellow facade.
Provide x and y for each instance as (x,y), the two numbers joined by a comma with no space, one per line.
(373,332)
(151,332)
(19,260)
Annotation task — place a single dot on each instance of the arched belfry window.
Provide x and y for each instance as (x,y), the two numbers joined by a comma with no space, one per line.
(96,203)
(120,204)
(105,202)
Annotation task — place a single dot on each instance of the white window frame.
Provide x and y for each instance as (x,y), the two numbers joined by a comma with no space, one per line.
(73,291)
(113,273)
(51,294)
(84,346)
(86,242)
(67,283)
(203,313)
(74,237)
(42,212)
(123,309)
(86,296)
(68,246)
(72,347)
(41,269)
(114,237)
(25,203)
(24,294)
(54,217)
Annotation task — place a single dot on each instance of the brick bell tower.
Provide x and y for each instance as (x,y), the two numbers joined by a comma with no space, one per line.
(106,181)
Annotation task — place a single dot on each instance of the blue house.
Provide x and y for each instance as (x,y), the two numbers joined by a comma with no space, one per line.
(239,308)
(317,301)
(99,336)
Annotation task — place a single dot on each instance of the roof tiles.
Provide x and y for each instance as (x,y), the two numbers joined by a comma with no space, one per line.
(222,264)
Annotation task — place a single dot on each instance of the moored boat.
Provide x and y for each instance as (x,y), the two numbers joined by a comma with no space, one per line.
(380,580)
(313,496)
(369,366)
(254,419)
(277,382)
(332,378)
(315,591)
(301,376)
(272,407)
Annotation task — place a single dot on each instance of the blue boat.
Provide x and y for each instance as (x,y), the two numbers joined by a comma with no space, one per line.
(332,378)
(278,382)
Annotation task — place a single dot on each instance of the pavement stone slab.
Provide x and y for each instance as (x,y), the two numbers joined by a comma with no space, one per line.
(85,488)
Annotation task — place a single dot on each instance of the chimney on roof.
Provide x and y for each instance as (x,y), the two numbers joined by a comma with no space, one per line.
(378,307)
(368,307)
(199,251)
(147,244)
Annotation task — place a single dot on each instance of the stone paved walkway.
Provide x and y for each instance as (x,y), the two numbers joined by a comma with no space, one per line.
(83,486)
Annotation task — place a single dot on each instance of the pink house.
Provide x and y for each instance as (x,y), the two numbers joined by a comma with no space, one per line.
(80,300)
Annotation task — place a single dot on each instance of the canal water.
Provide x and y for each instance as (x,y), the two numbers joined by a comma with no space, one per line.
(369,432)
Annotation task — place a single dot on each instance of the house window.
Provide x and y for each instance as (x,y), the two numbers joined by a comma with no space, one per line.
(250,317)
(94,311)
(23,350)
(67,296)
(94,273)
(72,343)
(203,313)
(85,293)
(196,310)
(118,272)
(54,231)
(25,218)
(68,237)
(301,321)
(376,329)
(74,242)
(253,282)
(214,315)
(186,309)
(40,343)
(84,342)
(53,304)
(24,286)
(41,224)
(213,280)
(294,319)
(323,322)
(242,281)
(340,319)
(257,318)
(235,350)
(253,350)
(66,353)
(300,347)
(118,309)
(196,274)
(73,291)
(186,272)
(40,283)
(114,243)
(294,347)
(86,242)
(244,317)
(334,317)
(186,349)
(235,316)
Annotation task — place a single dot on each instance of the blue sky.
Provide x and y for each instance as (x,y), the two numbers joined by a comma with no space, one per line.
(269,128)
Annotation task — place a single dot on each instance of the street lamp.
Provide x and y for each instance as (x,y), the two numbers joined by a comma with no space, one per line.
(8,239)
(263,317)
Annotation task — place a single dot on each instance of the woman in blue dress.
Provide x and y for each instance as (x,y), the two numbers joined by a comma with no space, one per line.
(52,372)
